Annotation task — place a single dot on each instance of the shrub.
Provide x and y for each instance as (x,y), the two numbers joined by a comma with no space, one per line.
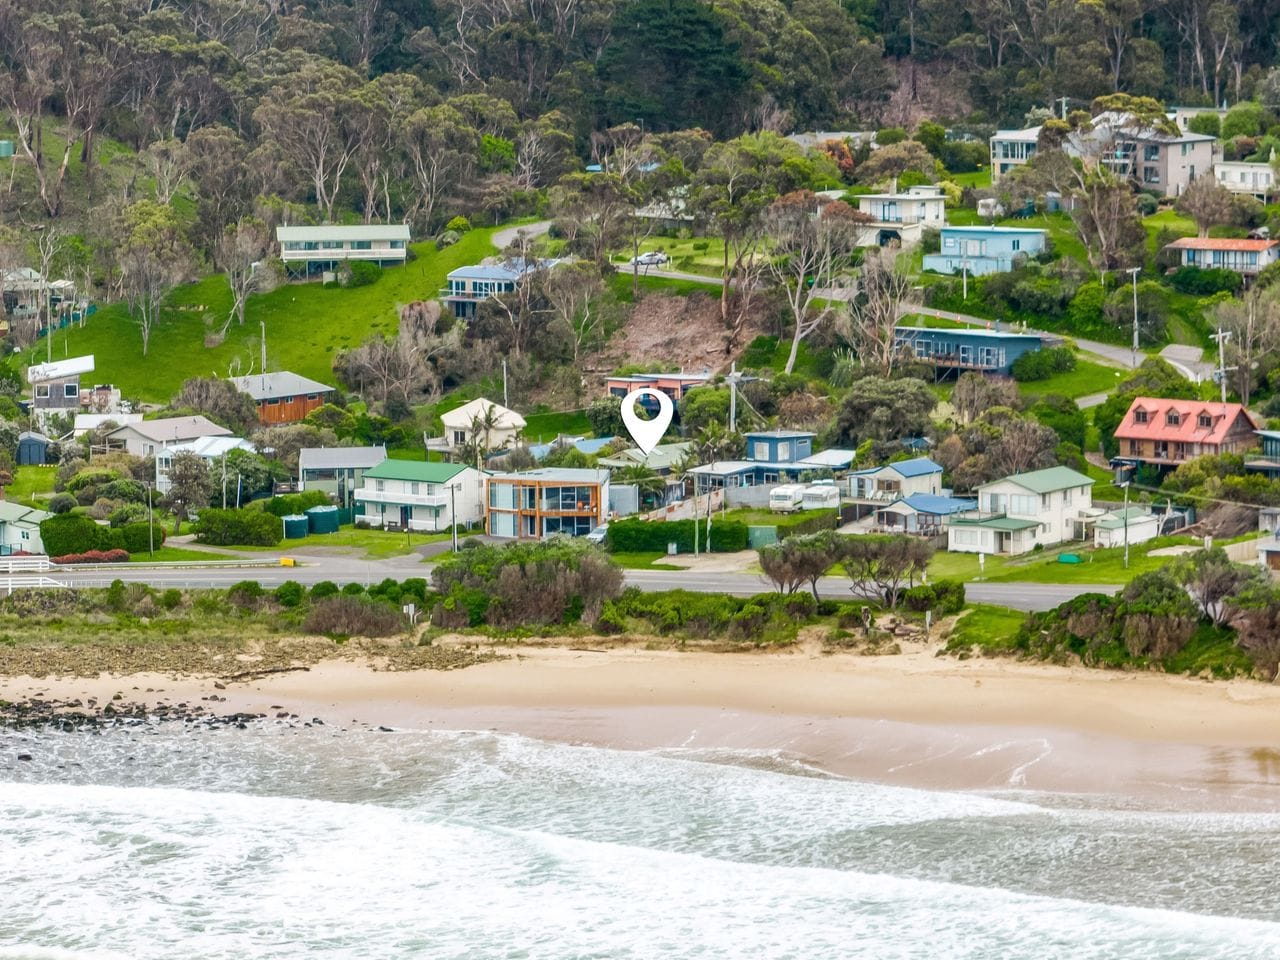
(1207,123)
(171,599)
(238,528)
(126,514)
(1204,283)
(352,589)
(458,224)
(642,536)
(1043,364)
(447,239)
(291,504)
(94,556)
(70,533)
(245,595)
(345,616)
(290,593)
(325,588)
(1147,204)
(138,537)
(361,273)
(943,597)
(62,503)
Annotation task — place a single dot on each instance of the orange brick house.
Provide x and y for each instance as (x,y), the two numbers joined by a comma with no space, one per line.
(283,397)
(1171,432)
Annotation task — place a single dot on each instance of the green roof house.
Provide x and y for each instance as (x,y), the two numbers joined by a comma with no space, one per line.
(414,495)
(1016,513)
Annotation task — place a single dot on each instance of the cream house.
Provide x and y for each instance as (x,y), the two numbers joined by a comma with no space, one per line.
(496,426)
(1017,513)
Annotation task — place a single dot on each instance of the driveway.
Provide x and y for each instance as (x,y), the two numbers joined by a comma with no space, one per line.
(503,238)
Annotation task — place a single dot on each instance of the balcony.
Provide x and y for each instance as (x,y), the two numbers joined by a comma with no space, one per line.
(434,500)
(390,522)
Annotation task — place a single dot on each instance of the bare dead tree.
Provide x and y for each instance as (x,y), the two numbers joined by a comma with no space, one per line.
(885,292)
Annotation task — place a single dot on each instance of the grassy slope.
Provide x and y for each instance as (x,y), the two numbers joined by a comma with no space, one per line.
(306,325)
(1087,378)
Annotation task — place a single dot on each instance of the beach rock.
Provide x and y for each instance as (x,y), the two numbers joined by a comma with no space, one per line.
(24,756)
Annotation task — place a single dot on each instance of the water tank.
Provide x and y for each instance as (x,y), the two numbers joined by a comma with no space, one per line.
(296,526)
(323,519)
(6,149)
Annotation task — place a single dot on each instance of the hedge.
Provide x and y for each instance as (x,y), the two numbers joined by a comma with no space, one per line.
(94,556)
(138,537)
(1205,282)
(646,536)
(291,504)
(249,528)
(70,533)
(943,597)
(1043,364)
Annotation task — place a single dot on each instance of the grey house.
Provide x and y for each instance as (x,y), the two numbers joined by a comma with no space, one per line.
(337,471)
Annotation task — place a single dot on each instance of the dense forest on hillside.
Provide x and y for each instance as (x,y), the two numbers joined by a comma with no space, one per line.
(303,99)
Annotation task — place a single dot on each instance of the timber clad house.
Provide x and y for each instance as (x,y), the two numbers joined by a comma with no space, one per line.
(1017,513)
(896,480)
(313,249)
(283,397)
(1257,180)
(957,350)
(674,385)
(416,495)
(1166,433)
(535,504)
(1246,257)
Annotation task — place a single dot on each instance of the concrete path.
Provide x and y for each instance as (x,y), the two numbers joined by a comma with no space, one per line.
(1189,361)
(502,238)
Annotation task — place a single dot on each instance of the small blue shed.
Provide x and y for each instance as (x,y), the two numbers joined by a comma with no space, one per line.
(33,449)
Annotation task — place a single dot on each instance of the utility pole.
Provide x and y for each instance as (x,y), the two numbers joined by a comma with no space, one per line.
(224,482)
(1062,105)
(151,526)
(733,378)
(1222,336)
(264,346)
(505,401)
(1133,272)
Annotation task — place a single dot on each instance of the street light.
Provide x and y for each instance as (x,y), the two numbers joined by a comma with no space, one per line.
(1133,272)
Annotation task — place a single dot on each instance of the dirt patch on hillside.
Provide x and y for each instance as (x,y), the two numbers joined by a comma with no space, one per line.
(682,332)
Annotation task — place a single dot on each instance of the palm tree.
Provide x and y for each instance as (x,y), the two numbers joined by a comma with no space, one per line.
(651,486)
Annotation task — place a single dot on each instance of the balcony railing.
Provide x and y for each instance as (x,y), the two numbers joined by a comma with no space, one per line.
(436,500)
(393,522)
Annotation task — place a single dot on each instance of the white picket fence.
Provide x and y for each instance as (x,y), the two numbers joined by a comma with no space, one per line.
(24,564)
(9,584)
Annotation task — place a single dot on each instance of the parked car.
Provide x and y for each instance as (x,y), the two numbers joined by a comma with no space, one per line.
(598,534)
(652,258)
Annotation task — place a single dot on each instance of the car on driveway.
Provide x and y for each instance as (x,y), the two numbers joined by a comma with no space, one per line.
(651,258)
(597,535)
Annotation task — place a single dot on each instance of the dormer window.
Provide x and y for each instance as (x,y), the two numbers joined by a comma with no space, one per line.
(1205,421)
(1139,416)
(1172,418)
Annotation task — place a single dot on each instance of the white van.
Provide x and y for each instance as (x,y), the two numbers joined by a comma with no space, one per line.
(786,498)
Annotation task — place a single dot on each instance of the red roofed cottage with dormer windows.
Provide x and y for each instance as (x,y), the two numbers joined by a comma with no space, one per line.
(1170,432)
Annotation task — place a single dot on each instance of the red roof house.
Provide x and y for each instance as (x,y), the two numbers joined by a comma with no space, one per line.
(1243,256)
(1170,432)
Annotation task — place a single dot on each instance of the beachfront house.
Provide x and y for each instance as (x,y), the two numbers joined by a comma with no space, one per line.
(417,495)
(311,250)
(468,286)
(283,397)
(925,514)
(534,504)
(896,480)
(491,424)
(1166,433)
(898,218)
(1017,513)
(955,350)
(145,439)
(212,450)
(1245,257)
(982,250)
(1257,180)
(337,471)
(20,528)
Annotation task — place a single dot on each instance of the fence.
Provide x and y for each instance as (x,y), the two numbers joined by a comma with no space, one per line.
(24,564)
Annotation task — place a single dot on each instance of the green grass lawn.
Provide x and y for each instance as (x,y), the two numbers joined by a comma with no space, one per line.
(376,544)
(1088,377)
(1170,219)
(31,485)
(176,555)
(703,255)
(1104,567)
(976,178)
(642,561)
(306,325)
(1060,229)
(545,427)
(763,517)
(990,627)
(620,284)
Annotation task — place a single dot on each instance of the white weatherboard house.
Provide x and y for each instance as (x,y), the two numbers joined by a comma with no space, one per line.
(20,528)
(324,247)
(1115,529)
(211,450)
(1016,513)
(146,438)
(413,495)
(461,423)
(896,480)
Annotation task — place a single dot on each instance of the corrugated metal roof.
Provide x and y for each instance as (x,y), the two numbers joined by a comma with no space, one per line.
(1222,243)
(335,231)
(416,470)
(1048,480)
(322,458)
(272,386)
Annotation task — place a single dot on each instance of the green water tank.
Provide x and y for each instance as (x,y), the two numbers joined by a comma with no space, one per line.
(323,519)
(295,526)
(6,149)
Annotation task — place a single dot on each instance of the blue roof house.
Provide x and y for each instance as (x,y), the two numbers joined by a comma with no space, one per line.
(954,349)
(923,513)
(467,286)
(779,446)
(896,480)
(983,250)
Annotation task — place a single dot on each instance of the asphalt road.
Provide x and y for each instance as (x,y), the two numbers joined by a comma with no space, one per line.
(342,570)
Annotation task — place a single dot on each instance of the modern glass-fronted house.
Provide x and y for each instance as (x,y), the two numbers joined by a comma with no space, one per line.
(541,503)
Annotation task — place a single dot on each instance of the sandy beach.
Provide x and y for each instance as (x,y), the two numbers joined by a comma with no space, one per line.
(914,719)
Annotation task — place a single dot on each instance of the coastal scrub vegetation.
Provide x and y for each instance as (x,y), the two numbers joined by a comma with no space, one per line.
(1202,615)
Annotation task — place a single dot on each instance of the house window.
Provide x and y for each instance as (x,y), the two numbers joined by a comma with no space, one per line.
(1139,416)
(1204,420)
(1150,174)
(42,391)
(1150,152)
(1044,500)
(1066,498)
(70,390)
(380,486)
(459,437)
(361,245)
(413,487)
(760,450)
(1172,418)
(1017,245)
(26,534)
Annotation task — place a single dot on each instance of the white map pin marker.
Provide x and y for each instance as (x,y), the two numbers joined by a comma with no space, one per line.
(646,433)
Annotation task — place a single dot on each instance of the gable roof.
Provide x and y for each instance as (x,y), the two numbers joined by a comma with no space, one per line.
(272,386)
(11,512)
(1115,520)
(208,447)
(460,418)
(915,467)
(512,269)
(1048,480)
(319,458)
(780,434)
(175,429)
(416,470)
(1222,243)
(932,503)
(662,457)
(1223,417)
